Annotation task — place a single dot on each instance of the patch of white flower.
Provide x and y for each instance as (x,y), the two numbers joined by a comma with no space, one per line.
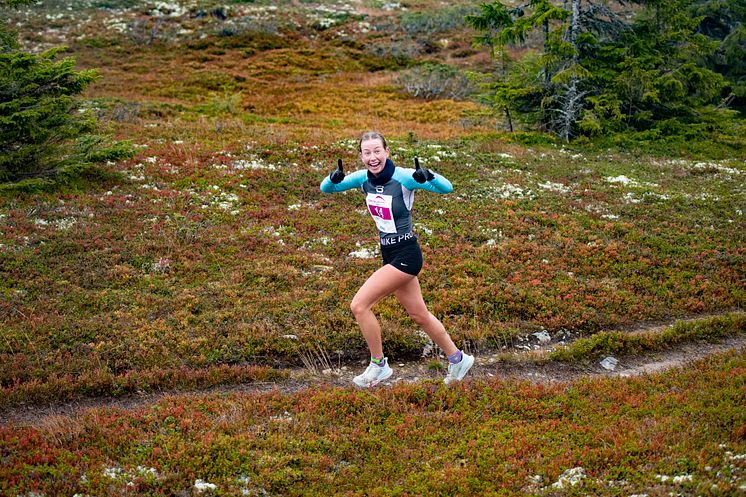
(218,198)
(245,481)
(554,187)
(117,473)
(160,266)
(658,196)
(364,253)
(570,478)
(60,224)
(277,233)
(600,211)
(623,180)
(494,234)
(327,16)
(718,167)
(65,223)
(630,198)
(116,24)
(113,473)
(424,229)
(171,9)
(148,186)
(325,22)
(227,202)
(254,163)
(511,191)
(138,173)
(144,471)
(285,417)
(203,486)
(679,479)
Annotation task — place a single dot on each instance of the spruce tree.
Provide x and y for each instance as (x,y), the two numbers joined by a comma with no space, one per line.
(726,22)
(653,77)
(513,89)
(43,131)
(602,73)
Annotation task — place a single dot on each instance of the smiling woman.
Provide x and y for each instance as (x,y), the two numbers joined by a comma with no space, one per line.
(390,195)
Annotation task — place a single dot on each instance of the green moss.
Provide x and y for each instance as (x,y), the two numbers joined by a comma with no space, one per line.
(624,344)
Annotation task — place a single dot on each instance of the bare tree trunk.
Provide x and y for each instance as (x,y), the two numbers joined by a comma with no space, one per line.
(547,77)
(573,100)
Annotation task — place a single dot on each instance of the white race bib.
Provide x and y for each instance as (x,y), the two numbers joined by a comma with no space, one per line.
(379,207)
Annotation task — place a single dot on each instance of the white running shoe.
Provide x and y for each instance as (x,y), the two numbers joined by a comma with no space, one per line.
(374,375)
(456,372)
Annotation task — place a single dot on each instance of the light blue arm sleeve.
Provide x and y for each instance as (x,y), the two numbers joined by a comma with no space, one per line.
(352,180)
(439,184)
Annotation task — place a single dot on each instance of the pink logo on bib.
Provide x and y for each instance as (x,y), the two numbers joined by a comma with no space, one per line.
(382,212)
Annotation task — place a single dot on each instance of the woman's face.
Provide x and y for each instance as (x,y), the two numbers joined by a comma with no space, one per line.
(374,155)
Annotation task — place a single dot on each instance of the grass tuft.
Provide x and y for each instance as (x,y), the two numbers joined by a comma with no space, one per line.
(622,344)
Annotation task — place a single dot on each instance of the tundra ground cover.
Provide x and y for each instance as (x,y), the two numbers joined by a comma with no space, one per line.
(201,259)
(213,256)
(679,432)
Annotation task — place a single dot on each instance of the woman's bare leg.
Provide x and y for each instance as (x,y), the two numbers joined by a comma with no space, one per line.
(383,282)
(410,296)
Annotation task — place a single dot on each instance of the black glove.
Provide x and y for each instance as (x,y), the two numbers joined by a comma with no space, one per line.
(337,175)
(421,174)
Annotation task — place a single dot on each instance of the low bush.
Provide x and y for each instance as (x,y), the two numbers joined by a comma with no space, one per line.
(436,21)
(620,344)
(434,81)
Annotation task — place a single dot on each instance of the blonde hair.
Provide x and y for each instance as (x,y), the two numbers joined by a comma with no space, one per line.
(371,135)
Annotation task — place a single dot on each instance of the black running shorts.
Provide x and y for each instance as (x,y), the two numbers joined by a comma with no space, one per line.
(406,257)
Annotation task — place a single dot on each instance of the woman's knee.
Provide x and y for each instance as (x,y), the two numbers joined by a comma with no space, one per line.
(421,317)
(358,306)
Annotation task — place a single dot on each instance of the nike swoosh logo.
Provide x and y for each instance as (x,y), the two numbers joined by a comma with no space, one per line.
(402,264)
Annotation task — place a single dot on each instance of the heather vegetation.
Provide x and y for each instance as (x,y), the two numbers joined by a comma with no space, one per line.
(178,241)
(664,434)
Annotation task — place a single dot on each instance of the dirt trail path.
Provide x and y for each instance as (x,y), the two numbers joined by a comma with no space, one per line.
(487,365)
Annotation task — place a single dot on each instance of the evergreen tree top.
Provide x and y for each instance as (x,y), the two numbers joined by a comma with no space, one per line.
(17,3)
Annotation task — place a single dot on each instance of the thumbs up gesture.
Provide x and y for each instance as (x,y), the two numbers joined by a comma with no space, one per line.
(337,175)
(421,174)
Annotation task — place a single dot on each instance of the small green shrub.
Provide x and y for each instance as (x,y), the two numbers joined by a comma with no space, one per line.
(620,343)
(436,21)
(434,81)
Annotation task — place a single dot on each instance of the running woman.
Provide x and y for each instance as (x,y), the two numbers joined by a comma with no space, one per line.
(389,194)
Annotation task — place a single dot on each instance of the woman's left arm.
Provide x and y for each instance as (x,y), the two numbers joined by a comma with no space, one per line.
(438,184)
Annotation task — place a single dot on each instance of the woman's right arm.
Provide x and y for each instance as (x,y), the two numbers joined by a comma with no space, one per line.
(352,180)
